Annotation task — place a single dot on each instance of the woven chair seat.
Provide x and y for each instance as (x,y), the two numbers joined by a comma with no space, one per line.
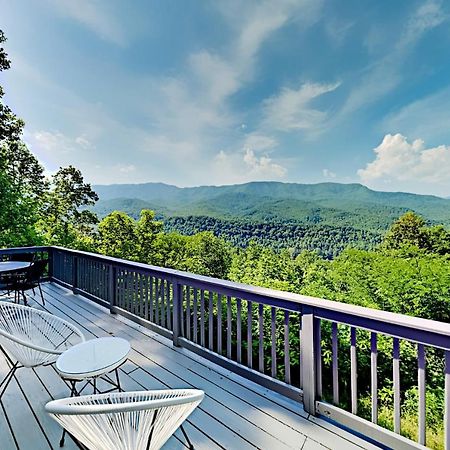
(34,337)
(125,420)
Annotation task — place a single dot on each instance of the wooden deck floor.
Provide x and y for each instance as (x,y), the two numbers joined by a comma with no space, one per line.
(235,414)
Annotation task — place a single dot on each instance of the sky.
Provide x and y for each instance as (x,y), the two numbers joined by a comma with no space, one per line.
(192,92)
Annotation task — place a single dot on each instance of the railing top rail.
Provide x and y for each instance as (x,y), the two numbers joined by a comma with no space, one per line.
(313,302)
(11,250)
(327,309)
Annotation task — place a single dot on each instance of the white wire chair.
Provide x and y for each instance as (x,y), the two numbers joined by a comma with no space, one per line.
(32,337)
(125,420)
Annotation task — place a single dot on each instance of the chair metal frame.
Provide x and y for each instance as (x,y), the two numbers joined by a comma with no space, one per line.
(25,351)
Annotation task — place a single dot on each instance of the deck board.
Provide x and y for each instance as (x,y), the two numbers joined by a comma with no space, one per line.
(235,413)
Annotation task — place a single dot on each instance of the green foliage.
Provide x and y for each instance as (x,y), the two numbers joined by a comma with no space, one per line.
(408,229)
(117,236)
(64,220)
(21,177)
(171,251)
(331,204)
(208,255)
(203,253)
(146,230)
(123,237)
(319,240)
(265,267)
(328,241)
(10,125)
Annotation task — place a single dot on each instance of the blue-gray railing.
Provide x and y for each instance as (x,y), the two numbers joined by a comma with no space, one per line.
(256,331)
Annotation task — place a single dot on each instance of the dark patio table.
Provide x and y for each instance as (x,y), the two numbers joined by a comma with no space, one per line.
(13,266)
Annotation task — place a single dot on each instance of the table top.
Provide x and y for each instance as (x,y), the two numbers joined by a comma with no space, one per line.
(12,266)
(93,358)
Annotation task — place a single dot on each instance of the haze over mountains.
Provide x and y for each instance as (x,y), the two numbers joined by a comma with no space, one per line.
(331,204)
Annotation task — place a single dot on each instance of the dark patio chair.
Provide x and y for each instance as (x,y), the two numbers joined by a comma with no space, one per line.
(27,257)
(5,285)
(30,279)
(8,281)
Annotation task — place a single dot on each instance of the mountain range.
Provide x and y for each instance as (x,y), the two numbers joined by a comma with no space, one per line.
(333,204)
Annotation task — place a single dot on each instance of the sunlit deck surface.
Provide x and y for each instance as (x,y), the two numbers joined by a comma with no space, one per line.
(235,414)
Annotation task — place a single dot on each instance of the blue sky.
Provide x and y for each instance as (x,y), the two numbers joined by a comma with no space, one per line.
(195,92)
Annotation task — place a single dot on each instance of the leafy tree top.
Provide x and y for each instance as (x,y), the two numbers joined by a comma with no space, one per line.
(10,126)
(408,229)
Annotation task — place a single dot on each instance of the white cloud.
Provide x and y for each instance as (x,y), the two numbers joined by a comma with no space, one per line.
(191,114)
(56,149)
(251,163)
(327,173)
(255,21)
(259,142)
(52,142)
(291,109)
(94,15)
(427,117)
(386,73)
(263,167)
(398,160)
(184,116)
(244,166)
(427,16)
(126,168)
(83,142)
(214,75)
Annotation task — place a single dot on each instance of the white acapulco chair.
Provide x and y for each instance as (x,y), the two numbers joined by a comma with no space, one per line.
(32,337)
(141,420)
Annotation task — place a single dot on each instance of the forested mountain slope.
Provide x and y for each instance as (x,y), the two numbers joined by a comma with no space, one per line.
(332,204)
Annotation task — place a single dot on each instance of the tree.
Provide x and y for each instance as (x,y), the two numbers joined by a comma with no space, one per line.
(171,250)
(147,229)
(117,236)
(22,180)
(31,211)
(10,125)
(208,255)
(65,219)
(408,229)
(438,240)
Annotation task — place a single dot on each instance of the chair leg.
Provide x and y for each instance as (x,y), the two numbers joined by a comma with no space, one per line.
(190,445)
(5,382)
(42,295)
(73,393)
(119,387)
(77,442)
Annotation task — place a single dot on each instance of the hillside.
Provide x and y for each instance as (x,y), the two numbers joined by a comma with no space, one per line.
(325,217)
(326,203)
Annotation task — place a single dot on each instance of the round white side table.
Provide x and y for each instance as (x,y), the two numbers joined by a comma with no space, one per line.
(90,361)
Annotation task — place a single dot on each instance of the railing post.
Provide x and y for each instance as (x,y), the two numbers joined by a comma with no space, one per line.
(74,274)
(177,305)
(112,288)
(308,363)
(51,257)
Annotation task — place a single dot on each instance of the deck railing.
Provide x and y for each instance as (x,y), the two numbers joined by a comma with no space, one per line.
(271,337)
